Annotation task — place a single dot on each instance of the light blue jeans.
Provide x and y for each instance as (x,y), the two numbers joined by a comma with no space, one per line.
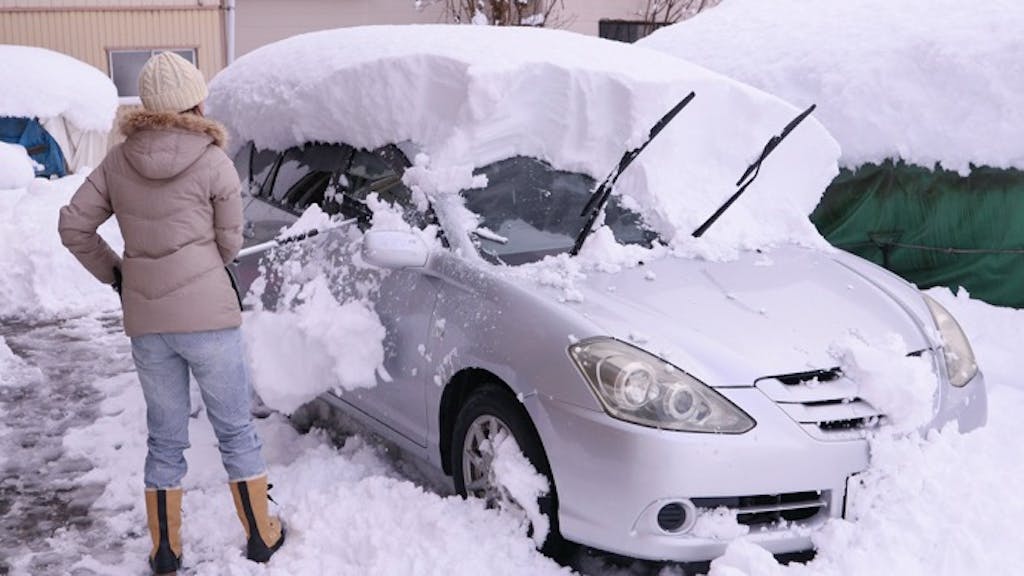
(217,360)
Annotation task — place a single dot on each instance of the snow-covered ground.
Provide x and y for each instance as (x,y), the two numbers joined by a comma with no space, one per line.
(73,439)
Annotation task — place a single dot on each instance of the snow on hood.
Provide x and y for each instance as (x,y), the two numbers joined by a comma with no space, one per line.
(469,96)
(923,80)
(730,323)
(40,83)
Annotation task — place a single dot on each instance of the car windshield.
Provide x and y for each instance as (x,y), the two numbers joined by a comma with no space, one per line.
(529,210)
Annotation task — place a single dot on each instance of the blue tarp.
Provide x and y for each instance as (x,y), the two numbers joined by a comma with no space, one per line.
(41,146)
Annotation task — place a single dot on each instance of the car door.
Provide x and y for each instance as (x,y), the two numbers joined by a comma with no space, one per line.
(341,180)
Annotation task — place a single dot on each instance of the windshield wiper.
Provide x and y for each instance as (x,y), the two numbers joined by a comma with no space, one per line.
(750,174)
(604,191)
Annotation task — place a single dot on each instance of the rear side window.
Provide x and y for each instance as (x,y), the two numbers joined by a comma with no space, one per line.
(304,174)
(337,177)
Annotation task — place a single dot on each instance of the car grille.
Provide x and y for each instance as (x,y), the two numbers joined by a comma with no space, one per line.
(824,403)
(771,508)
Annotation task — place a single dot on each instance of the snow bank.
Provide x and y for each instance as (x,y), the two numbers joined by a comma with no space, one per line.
(941,504)
(40,83)
(16,169)
(923,80)
(41,279)
(13,370)
(349,511)
(475,95)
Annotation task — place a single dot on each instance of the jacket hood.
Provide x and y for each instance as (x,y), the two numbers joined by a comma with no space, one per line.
(730,323)
(161,145)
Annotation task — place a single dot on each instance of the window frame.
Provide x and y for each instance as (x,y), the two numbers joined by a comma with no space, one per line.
(194,50)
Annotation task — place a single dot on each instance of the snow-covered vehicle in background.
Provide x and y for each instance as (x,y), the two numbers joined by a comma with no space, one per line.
(58,108)
(674,391)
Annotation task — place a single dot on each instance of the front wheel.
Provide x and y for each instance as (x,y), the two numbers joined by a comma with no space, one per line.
(481,456)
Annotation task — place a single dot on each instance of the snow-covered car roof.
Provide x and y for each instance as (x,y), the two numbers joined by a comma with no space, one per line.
(41,83)
(923,80)
(468,96)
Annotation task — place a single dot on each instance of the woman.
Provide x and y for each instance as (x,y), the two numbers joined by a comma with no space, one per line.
(177,200)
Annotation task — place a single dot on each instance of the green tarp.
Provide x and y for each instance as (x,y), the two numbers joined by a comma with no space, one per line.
(933,227)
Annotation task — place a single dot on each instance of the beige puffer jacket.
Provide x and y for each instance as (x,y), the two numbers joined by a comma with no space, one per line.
(177,199)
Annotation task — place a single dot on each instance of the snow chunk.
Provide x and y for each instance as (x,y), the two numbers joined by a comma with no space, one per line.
(16,169)
(901,386)
(319,345)
(719,523)
(40,83)
(486,94)
(524,484)
(880,71)
(744,558)
(41,279)
(313,219)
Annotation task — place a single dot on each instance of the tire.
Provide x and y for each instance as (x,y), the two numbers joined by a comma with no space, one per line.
(497,403)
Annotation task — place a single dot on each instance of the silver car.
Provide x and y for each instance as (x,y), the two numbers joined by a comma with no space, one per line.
(658,395)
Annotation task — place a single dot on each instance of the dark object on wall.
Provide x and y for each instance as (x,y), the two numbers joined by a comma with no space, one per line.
(41,146)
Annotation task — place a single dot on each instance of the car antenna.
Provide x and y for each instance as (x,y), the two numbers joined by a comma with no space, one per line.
(603,192)
(753,170)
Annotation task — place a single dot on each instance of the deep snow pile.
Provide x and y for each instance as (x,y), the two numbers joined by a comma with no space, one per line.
(16,169)
(348,510)
(946,504)
(468,96)
(41,83)
(923,80)
(943,504)
(41,279)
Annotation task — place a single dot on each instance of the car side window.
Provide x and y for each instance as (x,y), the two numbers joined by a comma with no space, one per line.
(379,172)
(337,177)
(304,174)
(260,167)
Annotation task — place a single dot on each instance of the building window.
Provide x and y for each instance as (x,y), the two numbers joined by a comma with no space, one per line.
(626,30)
(125,66)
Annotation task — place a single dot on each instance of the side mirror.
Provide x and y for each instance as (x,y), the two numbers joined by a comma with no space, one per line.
(394,249)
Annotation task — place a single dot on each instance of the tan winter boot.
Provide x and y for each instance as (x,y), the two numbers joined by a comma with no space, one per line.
(264,533)
(163,510)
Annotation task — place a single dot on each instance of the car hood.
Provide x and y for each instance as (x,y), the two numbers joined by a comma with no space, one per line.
(730,323)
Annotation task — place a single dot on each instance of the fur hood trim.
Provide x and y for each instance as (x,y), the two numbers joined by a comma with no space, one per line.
(138,120)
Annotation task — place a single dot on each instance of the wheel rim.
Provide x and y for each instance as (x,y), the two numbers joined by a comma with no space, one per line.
(483,434)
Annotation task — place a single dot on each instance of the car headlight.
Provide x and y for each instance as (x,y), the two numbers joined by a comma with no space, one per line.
(638,387)
(960,364)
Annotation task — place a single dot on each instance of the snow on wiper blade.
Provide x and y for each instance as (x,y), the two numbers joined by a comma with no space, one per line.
(604,191)
(750,174)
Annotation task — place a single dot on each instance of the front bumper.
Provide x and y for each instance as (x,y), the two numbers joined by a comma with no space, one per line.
(612,476)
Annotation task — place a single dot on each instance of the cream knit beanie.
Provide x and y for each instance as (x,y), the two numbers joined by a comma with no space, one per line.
(169,83)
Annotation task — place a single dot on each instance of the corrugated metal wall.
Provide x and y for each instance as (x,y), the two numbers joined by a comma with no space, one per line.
(88,33)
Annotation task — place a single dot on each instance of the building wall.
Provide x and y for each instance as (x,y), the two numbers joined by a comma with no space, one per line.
(260,22)
(66,4)
(87,29)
